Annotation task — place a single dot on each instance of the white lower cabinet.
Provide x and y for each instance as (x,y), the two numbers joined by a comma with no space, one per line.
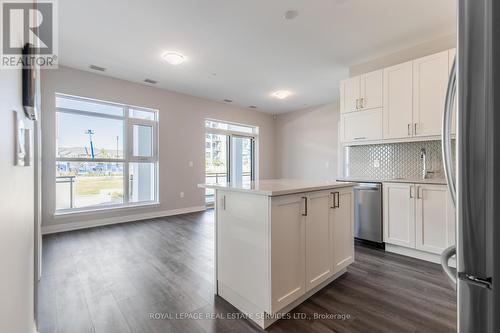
(311,240)
(434,219)
(399,214)
(288,252)
(418,216)
(318,243)
(342,229)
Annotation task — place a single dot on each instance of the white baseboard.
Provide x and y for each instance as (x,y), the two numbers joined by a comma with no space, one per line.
(50,229)
(422,255)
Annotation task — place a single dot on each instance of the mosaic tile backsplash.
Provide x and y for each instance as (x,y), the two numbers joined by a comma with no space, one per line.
(392,160)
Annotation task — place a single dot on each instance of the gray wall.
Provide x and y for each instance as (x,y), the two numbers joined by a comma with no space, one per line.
(307,143)
(16,218)
(181,131)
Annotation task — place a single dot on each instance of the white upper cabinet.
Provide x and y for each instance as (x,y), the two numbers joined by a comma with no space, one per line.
(351,90)
(398,103)
(361,126)
(371,90)
(430,79)
(361,92)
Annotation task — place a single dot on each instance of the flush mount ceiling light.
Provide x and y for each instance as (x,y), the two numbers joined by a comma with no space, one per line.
(281,94)
(291,14)
(173,58)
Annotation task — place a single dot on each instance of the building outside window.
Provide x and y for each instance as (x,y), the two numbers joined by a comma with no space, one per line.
(106,154)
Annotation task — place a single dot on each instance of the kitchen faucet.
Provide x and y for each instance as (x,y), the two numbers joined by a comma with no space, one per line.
(423,157)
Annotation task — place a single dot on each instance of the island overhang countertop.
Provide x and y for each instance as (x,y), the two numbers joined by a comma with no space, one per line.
(275,187)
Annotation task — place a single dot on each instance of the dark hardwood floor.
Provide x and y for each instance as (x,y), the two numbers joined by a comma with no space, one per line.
(114,278)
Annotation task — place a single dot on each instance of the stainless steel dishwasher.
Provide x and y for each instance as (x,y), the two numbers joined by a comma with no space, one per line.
(368,212)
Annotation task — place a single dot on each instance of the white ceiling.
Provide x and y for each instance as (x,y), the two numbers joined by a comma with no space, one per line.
(244,50)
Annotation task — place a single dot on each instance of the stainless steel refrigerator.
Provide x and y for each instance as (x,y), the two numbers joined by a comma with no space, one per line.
(474,172)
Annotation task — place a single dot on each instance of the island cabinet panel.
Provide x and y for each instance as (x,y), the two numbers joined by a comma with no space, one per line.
(318,242)
(342,229)
(243,246)
(288,255)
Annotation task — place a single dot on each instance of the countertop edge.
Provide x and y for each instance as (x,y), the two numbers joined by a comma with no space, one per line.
(276,193)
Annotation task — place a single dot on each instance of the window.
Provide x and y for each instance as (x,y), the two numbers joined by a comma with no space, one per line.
(106,154)
(229,154)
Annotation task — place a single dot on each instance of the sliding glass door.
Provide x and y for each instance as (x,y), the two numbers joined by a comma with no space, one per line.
(216,162)
(229,154)
(242,149)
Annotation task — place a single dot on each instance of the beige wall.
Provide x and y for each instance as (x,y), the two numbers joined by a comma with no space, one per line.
(307,143)
(417,51)
(16,218)
(181,132)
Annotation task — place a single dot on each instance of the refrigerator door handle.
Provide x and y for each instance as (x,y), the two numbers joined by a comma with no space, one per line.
(446,131)
(445,257)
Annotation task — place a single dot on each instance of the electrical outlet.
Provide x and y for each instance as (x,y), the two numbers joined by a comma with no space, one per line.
(376,163)
(181,194)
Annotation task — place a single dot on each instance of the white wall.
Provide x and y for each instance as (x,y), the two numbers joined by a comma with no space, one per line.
(417,51)
(307,143)
(16,218)
(181,132)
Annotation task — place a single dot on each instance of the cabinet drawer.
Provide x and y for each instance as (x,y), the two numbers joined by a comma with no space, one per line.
(362,125)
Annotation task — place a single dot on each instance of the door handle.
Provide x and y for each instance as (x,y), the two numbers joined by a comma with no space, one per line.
(336,195)
(362,102)
(445,257)
(223,202)
(446,131)
(409,129)
(359,138)
(305,206)
(415,126)
(411,192)
(357,103)
(333,199)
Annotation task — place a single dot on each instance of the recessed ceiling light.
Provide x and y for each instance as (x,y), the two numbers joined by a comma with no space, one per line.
(291,14)
(281,94)
(173,58)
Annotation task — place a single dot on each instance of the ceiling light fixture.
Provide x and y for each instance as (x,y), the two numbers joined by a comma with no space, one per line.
(291,14)
(173,58)
(281,94)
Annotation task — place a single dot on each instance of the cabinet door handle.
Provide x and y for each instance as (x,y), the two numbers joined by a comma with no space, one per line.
(357,104)
(415,125)
(362,102)
(333,199)
(336,195)
(411,192)
(419,195)
(409,129)
(305,206)
(223,202)
(359,138)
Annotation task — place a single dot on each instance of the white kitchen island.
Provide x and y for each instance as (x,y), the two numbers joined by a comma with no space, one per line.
(280,241)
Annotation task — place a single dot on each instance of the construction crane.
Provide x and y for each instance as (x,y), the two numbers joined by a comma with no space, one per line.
(90,133)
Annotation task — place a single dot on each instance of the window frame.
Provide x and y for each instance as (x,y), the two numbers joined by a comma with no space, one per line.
(128,123)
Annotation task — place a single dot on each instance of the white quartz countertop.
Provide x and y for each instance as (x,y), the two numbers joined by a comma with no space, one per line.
(275,187)
(432,181)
